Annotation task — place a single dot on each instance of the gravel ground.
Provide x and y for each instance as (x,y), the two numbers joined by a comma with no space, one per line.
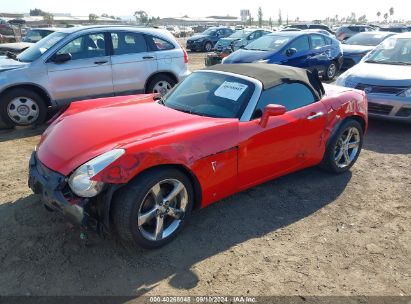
(309,233)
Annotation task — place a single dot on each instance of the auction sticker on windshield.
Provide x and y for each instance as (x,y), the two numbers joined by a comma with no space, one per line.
(230,90)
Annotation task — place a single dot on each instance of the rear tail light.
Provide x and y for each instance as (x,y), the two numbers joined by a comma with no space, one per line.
(185,55)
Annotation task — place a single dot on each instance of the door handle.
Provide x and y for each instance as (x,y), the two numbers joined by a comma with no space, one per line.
(148,57)
(100,62)
(316,115)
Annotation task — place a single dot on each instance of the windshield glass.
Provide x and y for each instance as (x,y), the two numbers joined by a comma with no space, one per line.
(240,34)
(210,32)
(268,43)
(392,51)
(211,94)
(36,35)
(366,39)
(35,51)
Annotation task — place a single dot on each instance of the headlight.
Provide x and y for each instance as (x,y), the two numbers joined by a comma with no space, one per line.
(80,181)
(405,93)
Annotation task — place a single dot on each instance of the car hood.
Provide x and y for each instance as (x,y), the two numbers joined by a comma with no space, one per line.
(90,128)
(247,56)
(15,46)
(9,64)
(356,49)
(196,37)
(380,74)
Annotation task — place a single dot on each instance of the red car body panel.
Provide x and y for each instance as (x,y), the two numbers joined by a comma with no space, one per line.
(223,155)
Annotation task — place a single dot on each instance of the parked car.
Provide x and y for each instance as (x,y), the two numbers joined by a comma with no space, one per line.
(82,62)
(175,30)
(310,26)
(299,49)
(240,39)
(8,33)
(32,36)
(394,28)
(346,31)
(207,39)
(221,131)
(324,32)
(385,75)
(356,47)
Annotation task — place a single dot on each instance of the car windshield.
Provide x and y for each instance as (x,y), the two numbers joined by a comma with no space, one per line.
(35,51)
(211,94)
(366,39)
(36,35)
(240,34)
(210,32)
(268,43)
(392,51)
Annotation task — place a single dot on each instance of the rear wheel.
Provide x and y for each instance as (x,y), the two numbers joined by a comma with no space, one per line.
(152,209)
(331,71)
(208,46)
(161,84)
(344,147)
(22,107)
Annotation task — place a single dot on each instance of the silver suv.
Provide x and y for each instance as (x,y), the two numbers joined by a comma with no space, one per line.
(87,62)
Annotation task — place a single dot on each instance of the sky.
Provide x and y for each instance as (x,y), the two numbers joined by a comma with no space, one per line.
(304,9)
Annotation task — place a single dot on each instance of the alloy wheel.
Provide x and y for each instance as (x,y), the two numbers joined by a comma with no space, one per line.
(347,147)
(331,71)
(163,209)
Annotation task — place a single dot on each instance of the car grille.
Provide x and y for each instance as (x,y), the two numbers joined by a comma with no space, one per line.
(380,89)
(376,108)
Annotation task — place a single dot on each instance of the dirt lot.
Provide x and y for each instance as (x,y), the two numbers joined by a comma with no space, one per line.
(309,233)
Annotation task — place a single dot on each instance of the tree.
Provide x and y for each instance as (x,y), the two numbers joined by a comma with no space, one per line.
(48,18)
(280,18)
(353,17)
(92,18)
(260,17)
(378,15)
(336,17)
(37,12)
(141,17)
(270,22)
(385,17)
(105,15)
(391,11)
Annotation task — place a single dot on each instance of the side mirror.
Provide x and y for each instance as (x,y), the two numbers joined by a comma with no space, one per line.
(61,58)
(271,110)
(290,52)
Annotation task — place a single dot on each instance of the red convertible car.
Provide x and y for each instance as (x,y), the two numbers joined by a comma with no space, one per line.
(138,165)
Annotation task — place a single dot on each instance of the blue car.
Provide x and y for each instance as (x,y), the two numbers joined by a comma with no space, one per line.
(207,39)
(357,46)
(299,49)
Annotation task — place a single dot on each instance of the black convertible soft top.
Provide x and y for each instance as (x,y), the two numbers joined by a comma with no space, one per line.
(271,75)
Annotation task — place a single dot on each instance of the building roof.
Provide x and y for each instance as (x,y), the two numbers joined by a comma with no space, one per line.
(271,75)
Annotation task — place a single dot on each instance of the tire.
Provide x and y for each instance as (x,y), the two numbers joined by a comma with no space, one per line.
(137,200)
(22,107)
(331,71)
(334,159)
(208,47)
(160,84)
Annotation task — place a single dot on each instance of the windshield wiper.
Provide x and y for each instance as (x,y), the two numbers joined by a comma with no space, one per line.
(11,55)
(255,50)
(400,63)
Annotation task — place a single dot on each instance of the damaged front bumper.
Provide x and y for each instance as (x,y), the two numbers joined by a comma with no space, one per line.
(55,193)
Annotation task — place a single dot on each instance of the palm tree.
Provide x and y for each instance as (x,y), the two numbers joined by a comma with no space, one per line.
(385,17)
(391,11)
(378,15)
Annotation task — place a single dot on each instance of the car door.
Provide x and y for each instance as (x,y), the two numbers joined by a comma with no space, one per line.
(302,52)
(87,74)
(132,62)
(288,142)
(320,53)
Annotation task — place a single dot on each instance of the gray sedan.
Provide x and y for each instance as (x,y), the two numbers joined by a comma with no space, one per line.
(385,75)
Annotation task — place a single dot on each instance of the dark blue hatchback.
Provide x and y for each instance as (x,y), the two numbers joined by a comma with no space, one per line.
(299,49)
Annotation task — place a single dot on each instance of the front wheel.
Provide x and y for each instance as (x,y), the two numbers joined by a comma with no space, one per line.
(22,107)
(208,47)
(344,147)
(152,209)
